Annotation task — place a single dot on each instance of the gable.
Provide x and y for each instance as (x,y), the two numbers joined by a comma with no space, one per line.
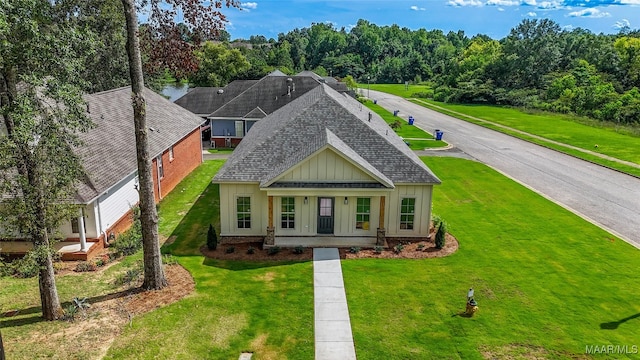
(326,166)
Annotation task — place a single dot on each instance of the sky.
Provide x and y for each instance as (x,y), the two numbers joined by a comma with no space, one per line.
(494,18)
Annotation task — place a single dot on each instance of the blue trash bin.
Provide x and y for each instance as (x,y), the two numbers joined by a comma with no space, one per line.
(439,135)
(375,101)
(395,112)
(410,120)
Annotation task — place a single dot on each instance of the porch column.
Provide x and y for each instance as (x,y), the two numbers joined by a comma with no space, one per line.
(270,239)
(381,239)
(83,236)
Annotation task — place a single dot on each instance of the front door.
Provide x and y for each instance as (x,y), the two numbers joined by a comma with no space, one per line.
(325,215)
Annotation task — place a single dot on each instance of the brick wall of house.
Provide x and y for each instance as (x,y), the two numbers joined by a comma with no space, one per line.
(187,155)
(220,142)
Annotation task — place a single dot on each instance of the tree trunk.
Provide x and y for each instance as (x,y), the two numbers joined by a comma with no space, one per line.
(1,348)
(32,193)
(153,271)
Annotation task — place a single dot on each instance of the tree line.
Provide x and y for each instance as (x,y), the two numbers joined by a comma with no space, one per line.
(538,65)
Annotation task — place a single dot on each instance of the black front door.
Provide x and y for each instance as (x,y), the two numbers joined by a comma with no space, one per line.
(325,215)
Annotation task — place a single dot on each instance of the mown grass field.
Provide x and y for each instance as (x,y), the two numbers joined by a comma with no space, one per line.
(397,89)
(547,282)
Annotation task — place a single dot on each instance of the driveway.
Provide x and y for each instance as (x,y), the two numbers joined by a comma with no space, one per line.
(605,197)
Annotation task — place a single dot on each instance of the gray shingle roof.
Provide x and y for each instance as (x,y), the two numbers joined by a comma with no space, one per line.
(270,94)
(323,117)
(205,100)
(109,153)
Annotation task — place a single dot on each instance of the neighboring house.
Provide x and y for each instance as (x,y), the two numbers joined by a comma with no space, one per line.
(109,191)
(324,167)
(230,112)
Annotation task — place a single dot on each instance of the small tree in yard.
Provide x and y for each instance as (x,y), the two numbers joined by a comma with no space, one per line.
(212,238)
(440,235)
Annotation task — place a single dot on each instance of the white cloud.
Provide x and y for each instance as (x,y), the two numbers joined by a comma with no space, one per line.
(622,24)
(529,2)
(630,2)
(415,8)
(458,3)
(531,14)
(249,5)
(500,9)
(568,28)
(590,13)
(503,2)
(550,5)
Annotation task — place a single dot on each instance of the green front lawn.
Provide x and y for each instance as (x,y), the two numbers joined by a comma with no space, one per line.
(397,89)
(546,281)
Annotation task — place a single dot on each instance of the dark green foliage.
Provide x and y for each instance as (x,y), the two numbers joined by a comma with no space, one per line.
(378,249)
(132,275)
(230,250)
(130,241)
(169,259)
(298,250)
(273,250)
(251,250)
(398,248)
(440,235)
(212,238)
(420,247)
(354,249)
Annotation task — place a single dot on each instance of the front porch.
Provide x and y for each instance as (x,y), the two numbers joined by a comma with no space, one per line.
(68,250)
(324,241)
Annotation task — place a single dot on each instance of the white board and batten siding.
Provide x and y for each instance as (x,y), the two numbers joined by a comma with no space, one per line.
(422,215)
(229,192)
(326,166)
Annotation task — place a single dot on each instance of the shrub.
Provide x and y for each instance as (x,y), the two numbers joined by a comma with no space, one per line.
(130,276)
(76,307)
(58,266)
(440,235)
(230,250)
(273,250)
(354,249)
(27,267)
(130,241)
(85,266)
(251,250)
(420,246)
(298,250)
(398,248)
(212,238)
(378,249)
(396,124)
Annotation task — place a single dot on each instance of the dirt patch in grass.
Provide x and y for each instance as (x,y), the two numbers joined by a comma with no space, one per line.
(410,250)
(93,331)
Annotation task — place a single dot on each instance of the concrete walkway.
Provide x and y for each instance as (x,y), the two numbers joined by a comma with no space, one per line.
(333,337)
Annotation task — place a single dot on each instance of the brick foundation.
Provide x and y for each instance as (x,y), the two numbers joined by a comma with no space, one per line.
(224,240)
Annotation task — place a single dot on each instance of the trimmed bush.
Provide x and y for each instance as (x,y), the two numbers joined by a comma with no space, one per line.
(354,249)
(273,250)
(378,249)
(440,235)
(212,238)
(130,241)
(251,250)
(298,250)
(230,250)
(85,266)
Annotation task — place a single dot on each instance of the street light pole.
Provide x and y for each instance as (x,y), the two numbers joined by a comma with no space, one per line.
(368,87)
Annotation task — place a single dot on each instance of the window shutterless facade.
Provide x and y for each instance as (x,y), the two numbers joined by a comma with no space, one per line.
(243,211)
(407,213)
(363,209)
(287,213)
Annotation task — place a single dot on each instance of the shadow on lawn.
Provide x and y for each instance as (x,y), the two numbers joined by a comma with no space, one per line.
(6,322)
(614,324)
(239,265)
(191,232)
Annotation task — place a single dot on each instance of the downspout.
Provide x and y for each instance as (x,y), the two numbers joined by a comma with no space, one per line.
(158,176)
(102,232)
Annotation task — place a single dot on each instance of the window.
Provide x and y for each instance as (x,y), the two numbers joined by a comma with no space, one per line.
(239,128)
(160,168)
(407,211)
(75,226)
(288,213)
(363,208)
(171,153)
(244,212)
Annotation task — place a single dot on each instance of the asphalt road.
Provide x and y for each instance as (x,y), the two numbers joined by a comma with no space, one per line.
(605,197)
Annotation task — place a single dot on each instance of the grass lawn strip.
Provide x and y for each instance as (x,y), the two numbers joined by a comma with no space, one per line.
(418,139)
(547,282)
